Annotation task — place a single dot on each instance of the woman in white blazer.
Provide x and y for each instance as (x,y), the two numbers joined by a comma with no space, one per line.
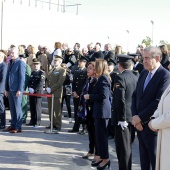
(161,123)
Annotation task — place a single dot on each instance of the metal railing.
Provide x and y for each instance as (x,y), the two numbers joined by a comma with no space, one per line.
(61,5)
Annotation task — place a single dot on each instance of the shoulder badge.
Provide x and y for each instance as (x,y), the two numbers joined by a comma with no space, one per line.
(117,85)
(42,76)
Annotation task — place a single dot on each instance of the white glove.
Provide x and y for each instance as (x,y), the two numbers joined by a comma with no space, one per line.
(48,90)
(123,124)
(31,90)
(69,64)
(52,63)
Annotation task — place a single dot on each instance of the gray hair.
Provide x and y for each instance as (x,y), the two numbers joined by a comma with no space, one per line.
(154,51)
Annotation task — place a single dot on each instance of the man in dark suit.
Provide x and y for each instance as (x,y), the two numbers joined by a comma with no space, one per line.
(35,85)
(3,70)
(151,84)
(97,52)
(124,86)
(137,65)
(108,54)
(79,81)
(14,88)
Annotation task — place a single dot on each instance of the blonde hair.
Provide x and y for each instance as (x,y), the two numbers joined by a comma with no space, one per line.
(57,45)
(101,68)
(20,50)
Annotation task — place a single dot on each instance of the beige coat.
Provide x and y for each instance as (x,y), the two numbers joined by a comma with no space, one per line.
(162,123)
(55,80)
(29,61)
(44,62)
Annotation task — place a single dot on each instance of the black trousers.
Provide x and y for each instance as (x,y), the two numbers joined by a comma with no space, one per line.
(101,137)
(123,147)
(91,133)
(2,111)
(147,148)
(77,122)
(110,129)
(67,100)
(35,109)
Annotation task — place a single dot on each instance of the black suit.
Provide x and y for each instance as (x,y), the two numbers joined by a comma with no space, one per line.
(109,56)
(144,104)
(97,55)
(125,84)
(139,67)
(3,71)
(101,98)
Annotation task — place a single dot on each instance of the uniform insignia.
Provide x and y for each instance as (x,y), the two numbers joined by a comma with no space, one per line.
(42,76)
(117,85)
(56,73)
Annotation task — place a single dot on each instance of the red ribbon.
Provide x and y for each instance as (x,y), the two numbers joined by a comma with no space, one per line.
(38,95)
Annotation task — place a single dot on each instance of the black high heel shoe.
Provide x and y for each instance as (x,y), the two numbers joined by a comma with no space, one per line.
(96,163)
(103,167)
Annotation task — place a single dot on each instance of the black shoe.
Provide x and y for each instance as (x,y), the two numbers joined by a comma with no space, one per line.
(2,127)
(49,127)
(23,121)
(87,156)
(96,163)
(83,132)
(73,131)
(30,124)
(110,137)
(103,167)
(57,129)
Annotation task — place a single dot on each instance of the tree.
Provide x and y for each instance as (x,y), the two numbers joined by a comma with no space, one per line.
(166,43)
(147,41)
(163,42)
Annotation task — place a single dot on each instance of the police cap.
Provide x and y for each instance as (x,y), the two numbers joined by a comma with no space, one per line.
(83,58)
(124,58)
(110,62)
(35,61)
(134,54)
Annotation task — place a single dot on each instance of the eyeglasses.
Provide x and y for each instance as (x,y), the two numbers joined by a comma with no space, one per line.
(70,51)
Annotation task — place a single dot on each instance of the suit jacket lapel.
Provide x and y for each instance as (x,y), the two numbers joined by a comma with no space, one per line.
(142,83)
(151,81)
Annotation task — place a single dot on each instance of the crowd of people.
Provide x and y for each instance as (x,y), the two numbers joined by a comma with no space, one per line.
(115,95)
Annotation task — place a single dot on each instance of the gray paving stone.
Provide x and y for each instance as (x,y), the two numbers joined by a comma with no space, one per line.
(34,150)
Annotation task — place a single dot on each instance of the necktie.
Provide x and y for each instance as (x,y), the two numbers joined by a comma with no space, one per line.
(148,78)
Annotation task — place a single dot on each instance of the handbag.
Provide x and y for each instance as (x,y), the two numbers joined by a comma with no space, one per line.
(68,89)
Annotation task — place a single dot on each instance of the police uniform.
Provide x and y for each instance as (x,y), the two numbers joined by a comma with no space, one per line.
(79,81)
(36,82)
(138,67)
(110,127)
(125,84)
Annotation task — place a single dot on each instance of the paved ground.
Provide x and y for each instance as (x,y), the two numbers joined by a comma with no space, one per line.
(35,150)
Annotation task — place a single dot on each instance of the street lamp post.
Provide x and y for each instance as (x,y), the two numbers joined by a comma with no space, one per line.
(127,40)
(152,30)
(1,20)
